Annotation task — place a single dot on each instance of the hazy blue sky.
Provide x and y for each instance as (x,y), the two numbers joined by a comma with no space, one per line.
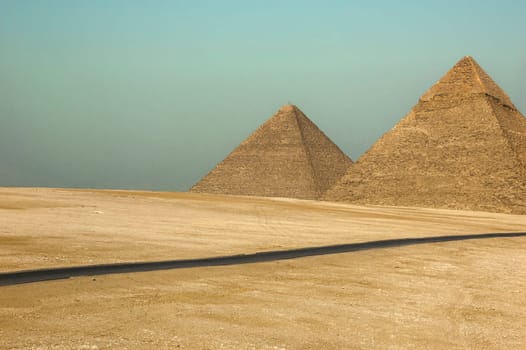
(152,94)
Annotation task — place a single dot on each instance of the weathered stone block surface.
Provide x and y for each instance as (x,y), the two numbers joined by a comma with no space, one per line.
(287,156)
(463,146)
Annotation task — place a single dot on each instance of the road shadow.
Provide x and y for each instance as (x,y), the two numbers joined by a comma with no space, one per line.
(48,274)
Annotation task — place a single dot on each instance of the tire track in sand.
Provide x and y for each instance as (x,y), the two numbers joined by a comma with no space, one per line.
(48,274)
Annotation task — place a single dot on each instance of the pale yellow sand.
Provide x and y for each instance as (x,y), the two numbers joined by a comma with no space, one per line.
(455,295)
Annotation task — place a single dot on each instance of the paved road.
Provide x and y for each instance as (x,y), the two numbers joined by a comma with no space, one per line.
(48,274)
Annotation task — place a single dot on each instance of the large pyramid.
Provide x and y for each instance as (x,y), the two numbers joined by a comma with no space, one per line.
(287,156)
(463,146)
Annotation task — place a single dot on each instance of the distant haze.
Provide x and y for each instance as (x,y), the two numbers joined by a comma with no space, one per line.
(152,94)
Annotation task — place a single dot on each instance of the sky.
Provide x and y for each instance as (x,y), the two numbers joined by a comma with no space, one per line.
(134,94)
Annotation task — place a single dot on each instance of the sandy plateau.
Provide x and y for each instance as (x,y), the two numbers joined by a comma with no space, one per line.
(451,295)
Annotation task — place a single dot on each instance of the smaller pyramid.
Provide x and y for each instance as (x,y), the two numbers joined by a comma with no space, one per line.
(462,146)
(287,156)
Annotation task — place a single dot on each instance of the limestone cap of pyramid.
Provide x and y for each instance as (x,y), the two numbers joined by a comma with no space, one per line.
(290,112)
(466,78)
(288,108)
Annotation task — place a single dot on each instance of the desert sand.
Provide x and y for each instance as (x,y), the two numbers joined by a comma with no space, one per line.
(451,295)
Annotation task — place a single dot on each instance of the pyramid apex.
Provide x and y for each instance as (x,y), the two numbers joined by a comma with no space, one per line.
(466,78)
(288,108)
(468,61)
